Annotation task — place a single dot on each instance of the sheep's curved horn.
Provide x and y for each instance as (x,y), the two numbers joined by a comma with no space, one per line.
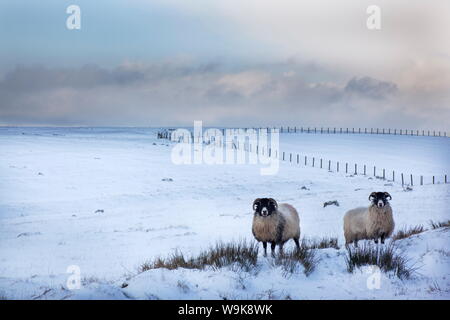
(372,195)
(388,195)
(274,202)
(257,201)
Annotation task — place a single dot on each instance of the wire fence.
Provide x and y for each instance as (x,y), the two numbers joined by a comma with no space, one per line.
(238,143)
(340,130)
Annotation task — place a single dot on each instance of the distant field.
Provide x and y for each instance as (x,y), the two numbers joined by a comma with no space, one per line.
(405,154)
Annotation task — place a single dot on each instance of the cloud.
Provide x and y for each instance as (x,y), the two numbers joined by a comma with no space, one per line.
(177,94)
(371,88)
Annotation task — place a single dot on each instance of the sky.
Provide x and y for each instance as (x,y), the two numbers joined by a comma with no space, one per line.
(228,63)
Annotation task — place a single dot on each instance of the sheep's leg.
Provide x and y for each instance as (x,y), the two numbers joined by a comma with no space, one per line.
(376,240)
(297,244)
(356,243)
(272,247)
(383,236)
(265,248)
(281,248)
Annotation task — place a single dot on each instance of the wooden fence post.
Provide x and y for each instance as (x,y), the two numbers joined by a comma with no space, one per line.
(374,171)
(313,161)
(421,180)
(337,166)
(283,155)
(329,165)
(298,158)
(356,169)
(393,176)
(290,157)
(412,180)
(306,160)
(364,169)
(403,181)
(321,166)
(346,167)
(384,174)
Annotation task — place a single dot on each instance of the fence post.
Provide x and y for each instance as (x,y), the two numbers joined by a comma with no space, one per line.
(298,156)
(356,169)
(403,181)
(433,179)
(290,157)
(313,161)
(306,160)
(421,180)
(374,171)
(283,155)
(346,167)
(329,165)
(321,168)
(364,169)
(384,174)
(393,176)
(445,179)
(337,166)
(412,180)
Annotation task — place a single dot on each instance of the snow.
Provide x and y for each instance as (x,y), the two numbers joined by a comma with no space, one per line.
(109,199)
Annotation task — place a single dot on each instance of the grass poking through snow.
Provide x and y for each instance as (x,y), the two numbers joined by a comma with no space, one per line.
(386,257)
(442,224)
(407,232)
(323,243)
(290,261)
(242,254)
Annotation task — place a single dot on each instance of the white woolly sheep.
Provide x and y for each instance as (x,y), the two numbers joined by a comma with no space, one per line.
(275,223)
(373,222)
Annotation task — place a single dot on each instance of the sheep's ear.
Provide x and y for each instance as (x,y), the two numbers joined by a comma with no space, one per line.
(372,196)
(256,202)
(387,195)
(274,202)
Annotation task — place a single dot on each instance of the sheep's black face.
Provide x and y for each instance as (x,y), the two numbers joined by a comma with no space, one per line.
(265,206)
(380,199)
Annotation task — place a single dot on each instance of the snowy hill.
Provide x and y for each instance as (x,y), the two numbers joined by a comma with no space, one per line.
(107,200)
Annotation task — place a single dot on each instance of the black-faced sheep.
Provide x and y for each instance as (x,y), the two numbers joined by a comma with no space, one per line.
(275,223)
(373,222)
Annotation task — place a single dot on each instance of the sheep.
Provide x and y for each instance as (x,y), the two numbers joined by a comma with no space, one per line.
(373,222)
(275,224)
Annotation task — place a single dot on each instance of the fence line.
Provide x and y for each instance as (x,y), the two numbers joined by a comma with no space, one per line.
(248,147)
(335,130)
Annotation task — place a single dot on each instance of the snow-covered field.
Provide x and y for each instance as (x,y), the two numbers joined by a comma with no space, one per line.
(108,199)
